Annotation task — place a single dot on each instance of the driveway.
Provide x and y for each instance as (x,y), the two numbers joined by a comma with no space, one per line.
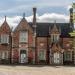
(37,70)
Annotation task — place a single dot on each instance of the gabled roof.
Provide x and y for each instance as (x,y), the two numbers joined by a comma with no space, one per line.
(54,30)
(5,26)
(23,25)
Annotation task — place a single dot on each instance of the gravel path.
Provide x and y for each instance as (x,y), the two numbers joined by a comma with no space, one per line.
(41,70)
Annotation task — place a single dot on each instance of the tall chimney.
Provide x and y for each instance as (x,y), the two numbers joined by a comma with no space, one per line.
(34,35)
(71,15)
(34,17)
(71,19)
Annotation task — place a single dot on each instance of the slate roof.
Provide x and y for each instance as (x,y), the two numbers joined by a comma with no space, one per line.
(43,29)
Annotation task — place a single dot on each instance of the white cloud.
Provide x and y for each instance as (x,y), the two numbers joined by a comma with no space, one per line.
(47,17)
(50,17)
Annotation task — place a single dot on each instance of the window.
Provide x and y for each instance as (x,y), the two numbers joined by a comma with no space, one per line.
(54,38)
(41,55)
(56,57)
(4,38)
(68,56)
(23,36)
(23,56)
(4,55)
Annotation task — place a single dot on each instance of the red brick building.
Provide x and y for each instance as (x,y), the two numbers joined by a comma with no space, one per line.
(36,43)
(5,42)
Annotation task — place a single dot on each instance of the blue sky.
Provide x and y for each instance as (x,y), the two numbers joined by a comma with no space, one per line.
(17,7)
(47,10)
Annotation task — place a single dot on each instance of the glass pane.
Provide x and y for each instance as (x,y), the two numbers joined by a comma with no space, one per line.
(4,38)
(67,56)
(41,55)
(24,36)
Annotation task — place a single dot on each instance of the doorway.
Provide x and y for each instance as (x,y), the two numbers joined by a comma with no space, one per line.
(23,56)
(56,58)
(68,58)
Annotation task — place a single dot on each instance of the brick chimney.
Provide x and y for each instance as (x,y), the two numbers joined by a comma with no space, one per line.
(71,15)
(34,17)
(34,35)
(71,18)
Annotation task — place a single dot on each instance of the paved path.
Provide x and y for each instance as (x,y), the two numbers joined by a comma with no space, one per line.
(34,70)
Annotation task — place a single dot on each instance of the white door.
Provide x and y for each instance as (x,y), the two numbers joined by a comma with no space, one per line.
(23,57)
(56,58)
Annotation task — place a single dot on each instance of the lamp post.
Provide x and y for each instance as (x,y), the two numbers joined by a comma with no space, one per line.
(72,34)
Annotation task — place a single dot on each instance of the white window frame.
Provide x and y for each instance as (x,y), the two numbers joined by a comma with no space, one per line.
(24,38)
(4,55)
(4,38)
(54,37)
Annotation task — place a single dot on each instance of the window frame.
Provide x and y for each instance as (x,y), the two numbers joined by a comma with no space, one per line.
(44,55)
(55,37)
(68,56)
(4,39)
(22,38)
(4,55)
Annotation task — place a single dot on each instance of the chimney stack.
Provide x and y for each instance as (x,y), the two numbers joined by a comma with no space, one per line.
(34,34)
(71,19)
(71,15)
(34,17)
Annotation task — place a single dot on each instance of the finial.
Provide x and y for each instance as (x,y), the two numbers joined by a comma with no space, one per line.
(5,18)
(23,15)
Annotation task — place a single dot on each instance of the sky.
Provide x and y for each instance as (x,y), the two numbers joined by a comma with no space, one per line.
(17,7)
(47,10)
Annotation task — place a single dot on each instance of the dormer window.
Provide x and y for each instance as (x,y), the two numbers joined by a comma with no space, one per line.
(54,37)
(55,33)
(4,38)
(23,37)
